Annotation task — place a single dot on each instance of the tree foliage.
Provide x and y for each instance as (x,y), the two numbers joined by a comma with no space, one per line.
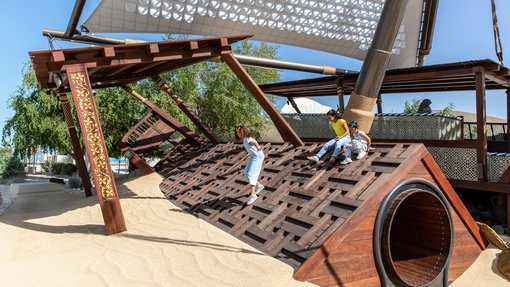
(38,120)
(10,166)
(411,107)
(209,89)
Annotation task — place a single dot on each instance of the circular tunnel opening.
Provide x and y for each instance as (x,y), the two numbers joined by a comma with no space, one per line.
(416,237)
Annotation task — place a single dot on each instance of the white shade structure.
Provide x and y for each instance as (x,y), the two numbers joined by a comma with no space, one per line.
(344,27)
(306,106)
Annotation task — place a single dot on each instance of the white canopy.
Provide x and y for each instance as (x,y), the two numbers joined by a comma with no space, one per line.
(344,27)
(305,106)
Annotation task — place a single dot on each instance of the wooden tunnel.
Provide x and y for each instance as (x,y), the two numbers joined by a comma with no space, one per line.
(389,219)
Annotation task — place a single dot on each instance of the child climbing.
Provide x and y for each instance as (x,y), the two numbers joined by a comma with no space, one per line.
(255,161)
(360,143)
(342,137)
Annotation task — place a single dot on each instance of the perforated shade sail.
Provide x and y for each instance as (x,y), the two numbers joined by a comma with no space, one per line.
(344,27)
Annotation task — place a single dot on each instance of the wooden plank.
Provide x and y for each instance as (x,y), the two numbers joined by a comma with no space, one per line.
(154,48)
(58,56)
(454,199)
(108,52)
(341,233)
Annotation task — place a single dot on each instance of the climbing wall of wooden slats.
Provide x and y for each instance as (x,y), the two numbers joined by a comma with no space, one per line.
(302,203)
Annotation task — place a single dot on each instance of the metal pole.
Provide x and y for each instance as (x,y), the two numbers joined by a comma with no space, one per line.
(279,64)
(364,96)
(75,17)
(427,33)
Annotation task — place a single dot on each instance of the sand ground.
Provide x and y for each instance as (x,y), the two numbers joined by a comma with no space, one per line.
(58,239)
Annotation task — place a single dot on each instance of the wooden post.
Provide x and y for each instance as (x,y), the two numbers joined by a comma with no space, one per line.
(508,212)
(166,118)
(340,92)
(481,125)
(198,123)
(508,121)
(294,104)
(379,103)
(96,149)
(78,153)
(285,130)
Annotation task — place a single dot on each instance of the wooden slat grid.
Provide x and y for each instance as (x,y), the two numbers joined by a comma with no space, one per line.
(302,203)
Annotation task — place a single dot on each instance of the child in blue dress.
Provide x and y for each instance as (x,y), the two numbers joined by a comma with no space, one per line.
(255,161)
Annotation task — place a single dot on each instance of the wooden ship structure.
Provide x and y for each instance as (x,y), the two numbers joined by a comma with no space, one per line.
(353,225)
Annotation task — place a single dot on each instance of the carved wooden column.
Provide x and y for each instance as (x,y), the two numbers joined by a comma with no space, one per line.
(285,130)
(198,123)
(78,153)
(96,149)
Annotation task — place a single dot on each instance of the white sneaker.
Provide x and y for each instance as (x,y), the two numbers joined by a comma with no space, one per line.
(260,187)
(251,199)
(346,161)
(313,158)
(361,155)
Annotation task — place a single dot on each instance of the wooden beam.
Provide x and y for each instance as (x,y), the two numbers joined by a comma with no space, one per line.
(454,200)
(120,70)
(138,59)
(198,123)
(500,80)
(286,131)
(481,186)
(166,118)
(96,149)
(193,45)
(471,144)
(293,104)
(109,52)
(154,48)
(379,103)
(58,56)
(78,153)
(341,93)
(508,120)
(136,160)
(481,125)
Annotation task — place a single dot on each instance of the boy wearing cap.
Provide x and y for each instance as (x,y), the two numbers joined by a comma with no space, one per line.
(360,143)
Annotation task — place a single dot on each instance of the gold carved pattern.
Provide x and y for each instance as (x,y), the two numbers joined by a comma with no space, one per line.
(91,124)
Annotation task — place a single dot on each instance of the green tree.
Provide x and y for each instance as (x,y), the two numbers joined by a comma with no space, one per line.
(411,107)
(10,166)
(224,102)
(38,120)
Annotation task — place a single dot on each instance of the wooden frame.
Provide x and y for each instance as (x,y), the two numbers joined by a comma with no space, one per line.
(78,153)
(96,149)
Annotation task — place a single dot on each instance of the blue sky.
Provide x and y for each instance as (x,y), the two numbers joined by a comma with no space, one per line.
(463,32)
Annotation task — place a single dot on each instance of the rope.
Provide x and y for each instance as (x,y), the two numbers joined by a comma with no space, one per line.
(497,39)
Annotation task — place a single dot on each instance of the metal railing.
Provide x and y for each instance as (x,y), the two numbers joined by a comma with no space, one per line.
(495,131)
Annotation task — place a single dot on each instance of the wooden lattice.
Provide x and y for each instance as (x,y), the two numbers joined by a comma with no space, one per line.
(302,203)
